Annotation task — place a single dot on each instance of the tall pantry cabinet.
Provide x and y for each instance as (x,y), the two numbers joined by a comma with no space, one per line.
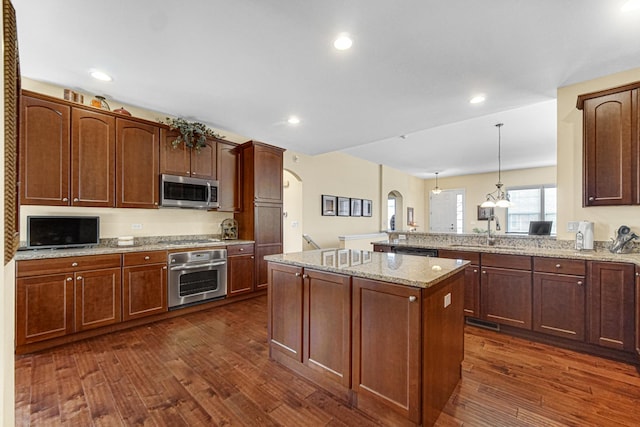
(260,219)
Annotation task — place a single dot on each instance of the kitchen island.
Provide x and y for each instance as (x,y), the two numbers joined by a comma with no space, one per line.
(384,332)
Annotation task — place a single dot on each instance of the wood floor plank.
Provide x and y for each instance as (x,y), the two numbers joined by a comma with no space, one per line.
(211,368)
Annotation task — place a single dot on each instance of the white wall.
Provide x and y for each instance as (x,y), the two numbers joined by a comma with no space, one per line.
(7,319)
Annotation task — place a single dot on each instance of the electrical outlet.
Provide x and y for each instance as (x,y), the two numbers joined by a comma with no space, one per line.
(402,237)
(136,226)
(447,300)
(572,226)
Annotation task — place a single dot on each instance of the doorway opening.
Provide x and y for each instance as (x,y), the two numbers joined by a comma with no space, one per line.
(292,212)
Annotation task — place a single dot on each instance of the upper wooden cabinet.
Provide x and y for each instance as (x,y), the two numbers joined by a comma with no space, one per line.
(93,158)
(137,164)
(611,171)
(184,161)
(44,152)
(229,194)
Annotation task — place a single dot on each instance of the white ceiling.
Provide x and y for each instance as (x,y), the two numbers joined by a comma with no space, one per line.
(245,65)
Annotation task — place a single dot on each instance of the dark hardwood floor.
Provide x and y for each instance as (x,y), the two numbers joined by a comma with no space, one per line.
(211,368)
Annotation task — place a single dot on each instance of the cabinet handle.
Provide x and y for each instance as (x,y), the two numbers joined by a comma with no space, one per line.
(241,249)
(557,265)
(69,279)
(164,268)
(155,203)
(75,199)
(591,199)
(146,258)
(79,278)
(475,270)
(64,199)
(305,276)
(298,274)
(188,172)
(484,272)
(252,257)
(580,282)
(74,264)
(412,298)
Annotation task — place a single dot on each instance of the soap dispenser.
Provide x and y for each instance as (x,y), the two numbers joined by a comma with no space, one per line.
(579,240)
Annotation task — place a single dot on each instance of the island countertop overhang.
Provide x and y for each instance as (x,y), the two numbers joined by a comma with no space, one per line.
(408,270)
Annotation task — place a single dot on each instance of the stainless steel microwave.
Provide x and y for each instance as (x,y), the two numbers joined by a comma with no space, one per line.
(185,192)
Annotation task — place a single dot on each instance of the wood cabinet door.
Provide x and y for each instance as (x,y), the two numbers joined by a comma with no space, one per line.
(608,150)
(472,291)
(284,325)
(386,345)
(381,248)
(559,305)
(137,164)
(611,305)
(144,289)
(505,296)
(327,325)
(262,277)
(228,177)
(267,174)
(44,308)
(93,158)
(98,298)
(44,152)
(173,161)
(240,274)
(203,162)
(638,311)
(268,237)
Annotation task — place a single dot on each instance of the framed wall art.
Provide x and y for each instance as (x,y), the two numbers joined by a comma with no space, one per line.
(344,207)
(484,213)
(367,207)
(329,205)
(356,207)
(410,220)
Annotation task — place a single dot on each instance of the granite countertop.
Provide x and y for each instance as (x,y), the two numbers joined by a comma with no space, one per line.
(530,249)
(140,245)
(415,271)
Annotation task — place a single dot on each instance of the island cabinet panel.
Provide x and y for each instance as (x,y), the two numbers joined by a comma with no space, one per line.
(44,152)
(610,169)
(98,298)
(611,305)
(638,312)
(386,345)
(471,279)
(93,156)
(44,307)
(285,310)
(137,164)
(240,269)
(327,324)
(144,284)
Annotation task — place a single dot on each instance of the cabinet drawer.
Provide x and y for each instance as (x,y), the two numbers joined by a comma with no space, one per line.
(517,262)
(142,258)
(574,267)
(473,257)
(37,267)
(240,249)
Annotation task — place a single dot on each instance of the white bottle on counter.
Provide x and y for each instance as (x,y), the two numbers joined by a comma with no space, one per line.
(579,240)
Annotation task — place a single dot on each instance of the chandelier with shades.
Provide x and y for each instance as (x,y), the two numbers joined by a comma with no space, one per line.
(498,198)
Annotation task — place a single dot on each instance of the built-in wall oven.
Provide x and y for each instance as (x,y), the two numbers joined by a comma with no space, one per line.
(196,276)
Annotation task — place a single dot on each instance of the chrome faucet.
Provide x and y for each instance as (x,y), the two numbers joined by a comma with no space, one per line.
(492,240)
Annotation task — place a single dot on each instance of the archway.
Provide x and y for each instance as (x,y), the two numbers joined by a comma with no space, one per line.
(394,211)
(292,212)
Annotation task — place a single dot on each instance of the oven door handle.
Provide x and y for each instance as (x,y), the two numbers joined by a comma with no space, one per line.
(200,266)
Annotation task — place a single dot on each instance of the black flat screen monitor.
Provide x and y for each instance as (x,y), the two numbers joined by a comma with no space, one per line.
(62,231)
(540,228)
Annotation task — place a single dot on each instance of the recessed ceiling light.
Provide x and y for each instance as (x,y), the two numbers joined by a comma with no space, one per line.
(101,75)
(477,99)
(293,120)
(343,42)
(630,5)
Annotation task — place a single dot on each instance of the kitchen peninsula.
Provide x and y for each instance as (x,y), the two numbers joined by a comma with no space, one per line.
(382,331)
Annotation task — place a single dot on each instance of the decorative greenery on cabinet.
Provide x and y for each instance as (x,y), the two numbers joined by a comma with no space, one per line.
(193,134)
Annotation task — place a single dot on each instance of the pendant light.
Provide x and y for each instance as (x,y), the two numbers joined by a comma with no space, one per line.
(498,198)
(436,189)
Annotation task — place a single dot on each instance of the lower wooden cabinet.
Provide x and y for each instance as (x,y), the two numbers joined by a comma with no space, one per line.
(326,336)
(386,345)
(98,298)
(611,305)
(285,323)
(559,305)
(471,279)
(240,269)
(144,284)
(506,296)
(638,311)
